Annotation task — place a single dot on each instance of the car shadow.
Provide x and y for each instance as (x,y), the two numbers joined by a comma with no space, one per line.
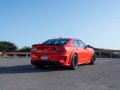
(29,69)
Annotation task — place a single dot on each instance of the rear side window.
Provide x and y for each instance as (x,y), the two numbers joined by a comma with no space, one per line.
(56,42)
(81,44)
(75,43)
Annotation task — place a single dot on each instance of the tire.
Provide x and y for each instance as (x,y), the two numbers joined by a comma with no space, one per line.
(93,60)
(74,62)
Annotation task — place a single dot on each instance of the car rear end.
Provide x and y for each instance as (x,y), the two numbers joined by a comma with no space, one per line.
(50,53)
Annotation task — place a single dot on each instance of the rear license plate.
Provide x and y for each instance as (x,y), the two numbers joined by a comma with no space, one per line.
(44,57)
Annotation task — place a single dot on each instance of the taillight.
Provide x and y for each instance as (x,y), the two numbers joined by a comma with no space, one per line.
(61,49)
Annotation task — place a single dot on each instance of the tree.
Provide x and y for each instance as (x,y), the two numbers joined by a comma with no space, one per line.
(6,46)
(25,49)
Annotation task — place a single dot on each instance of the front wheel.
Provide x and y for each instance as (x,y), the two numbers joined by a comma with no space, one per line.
(74,62)
(93,60)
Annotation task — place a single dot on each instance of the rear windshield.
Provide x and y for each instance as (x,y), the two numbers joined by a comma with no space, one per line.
(56,42)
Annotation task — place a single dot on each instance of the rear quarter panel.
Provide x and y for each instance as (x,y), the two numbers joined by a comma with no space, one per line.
(70,51)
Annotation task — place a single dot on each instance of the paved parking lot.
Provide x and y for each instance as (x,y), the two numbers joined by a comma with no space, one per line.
(19,74)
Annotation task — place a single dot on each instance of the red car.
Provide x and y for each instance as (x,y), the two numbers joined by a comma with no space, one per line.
(68,52)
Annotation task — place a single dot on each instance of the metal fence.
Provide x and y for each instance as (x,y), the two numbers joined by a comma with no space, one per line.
(14,54)
(99,54)
(108,53)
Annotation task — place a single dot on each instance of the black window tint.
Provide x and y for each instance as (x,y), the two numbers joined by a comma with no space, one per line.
(75,43)
(56,42)
(81,43)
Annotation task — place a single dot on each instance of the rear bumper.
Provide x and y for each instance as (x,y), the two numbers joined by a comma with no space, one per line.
(51,63)
(62,60)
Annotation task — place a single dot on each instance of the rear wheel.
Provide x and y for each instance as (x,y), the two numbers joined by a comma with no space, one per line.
(93,60)
(74,62)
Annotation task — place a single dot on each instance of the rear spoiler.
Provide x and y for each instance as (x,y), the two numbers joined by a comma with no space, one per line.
(36,44)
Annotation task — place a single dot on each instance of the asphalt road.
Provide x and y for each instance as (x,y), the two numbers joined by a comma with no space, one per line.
(19,74)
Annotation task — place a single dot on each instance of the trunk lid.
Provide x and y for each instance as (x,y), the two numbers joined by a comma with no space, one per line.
(48,49)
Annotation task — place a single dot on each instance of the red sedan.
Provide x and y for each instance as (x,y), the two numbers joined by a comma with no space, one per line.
(68,52)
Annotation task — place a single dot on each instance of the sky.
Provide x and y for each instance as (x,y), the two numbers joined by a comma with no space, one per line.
(27,22)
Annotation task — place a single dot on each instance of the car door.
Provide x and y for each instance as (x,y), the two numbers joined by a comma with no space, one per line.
(85,52)
(80,51)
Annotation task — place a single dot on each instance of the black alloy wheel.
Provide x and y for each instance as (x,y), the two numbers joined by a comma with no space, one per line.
(74,62)
(93,60)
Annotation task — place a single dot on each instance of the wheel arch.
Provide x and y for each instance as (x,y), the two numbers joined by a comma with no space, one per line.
(72,53)
(93,54)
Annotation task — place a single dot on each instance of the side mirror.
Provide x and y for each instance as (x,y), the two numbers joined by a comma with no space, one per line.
(88,46)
